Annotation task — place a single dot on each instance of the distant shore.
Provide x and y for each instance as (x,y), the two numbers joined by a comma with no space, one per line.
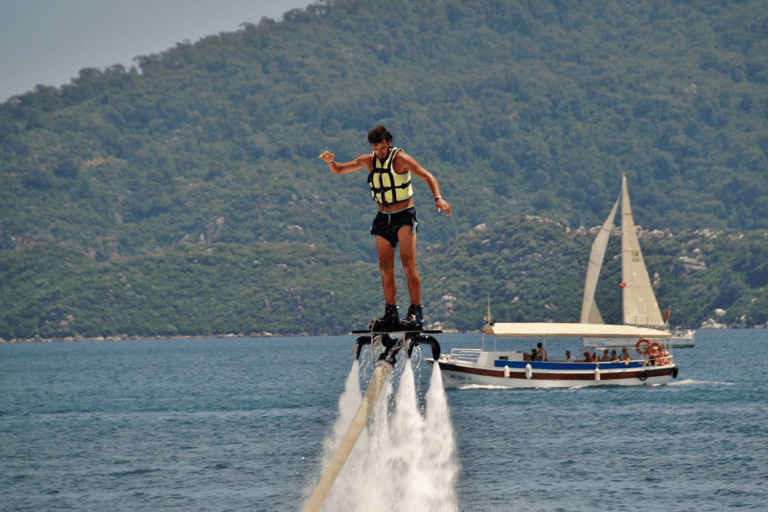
(124,337)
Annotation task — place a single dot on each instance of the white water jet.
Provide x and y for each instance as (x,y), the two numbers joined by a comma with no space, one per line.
(404,461)
(438,462)
(348,405)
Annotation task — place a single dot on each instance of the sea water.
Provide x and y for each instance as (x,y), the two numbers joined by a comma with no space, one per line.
(248,424)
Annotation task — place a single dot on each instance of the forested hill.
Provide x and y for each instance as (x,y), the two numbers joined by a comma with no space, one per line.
(517,107)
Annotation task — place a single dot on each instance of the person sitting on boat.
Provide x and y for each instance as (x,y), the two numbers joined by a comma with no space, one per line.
(605,357)
(625,355)
(614,356)
(542,352)
(588,358)
(569,357)
(535,356)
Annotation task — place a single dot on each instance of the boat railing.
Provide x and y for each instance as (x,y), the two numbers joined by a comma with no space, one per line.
(467,355)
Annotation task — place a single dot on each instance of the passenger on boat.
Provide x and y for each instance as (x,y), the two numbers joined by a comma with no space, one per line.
(625,355)
(535,356)
(614,356)
(588,358)
(542,352)
(569,357)
(605,356)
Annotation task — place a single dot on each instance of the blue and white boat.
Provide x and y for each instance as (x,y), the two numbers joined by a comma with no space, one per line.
(644,333)
(649,364)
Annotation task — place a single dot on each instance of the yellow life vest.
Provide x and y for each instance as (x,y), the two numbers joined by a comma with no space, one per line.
(387,186)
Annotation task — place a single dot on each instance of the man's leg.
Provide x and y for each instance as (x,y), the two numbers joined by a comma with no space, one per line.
(407,239)
(387,268)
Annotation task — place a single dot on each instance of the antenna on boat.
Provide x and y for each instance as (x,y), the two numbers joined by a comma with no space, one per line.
(488,321)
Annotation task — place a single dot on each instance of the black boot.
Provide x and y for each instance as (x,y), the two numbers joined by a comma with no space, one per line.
(390,320)
(414,319)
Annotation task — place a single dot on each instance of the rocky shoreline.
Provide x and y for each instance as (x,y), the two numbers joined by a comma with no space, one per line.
(710,323)
(124,337)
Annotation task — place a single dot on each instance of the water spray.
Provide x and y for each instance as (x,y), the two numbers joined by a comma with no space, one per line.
(384,366)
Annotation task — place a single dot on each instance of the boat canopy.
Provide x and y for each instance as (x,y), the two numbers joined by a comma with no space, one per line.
(571,330)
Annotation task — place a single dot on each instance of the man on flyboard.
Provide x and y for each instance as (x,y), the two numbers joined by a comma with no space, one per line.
(389,175)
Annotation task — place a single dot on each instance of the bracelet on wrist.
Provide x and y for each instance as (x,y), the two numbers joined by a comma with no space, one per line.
(438,198)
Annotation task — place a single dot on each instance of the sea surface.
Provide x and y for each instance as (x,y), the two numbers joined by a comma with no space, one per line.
(249,424)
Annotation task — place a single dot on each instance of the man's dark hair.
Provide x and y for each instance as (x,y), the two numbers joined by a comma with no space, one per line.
(379,134)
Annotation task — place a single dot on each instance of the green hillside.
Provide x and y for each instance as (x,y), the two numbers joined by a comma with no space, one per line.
(207,152)
(528,269)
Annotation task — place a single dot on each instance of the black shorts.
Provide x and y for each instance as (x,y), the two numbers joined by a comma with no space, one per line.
(386,225)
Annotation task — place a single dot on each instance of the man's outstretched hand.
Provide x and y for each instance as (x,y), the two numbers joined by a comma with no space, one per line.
(443,205)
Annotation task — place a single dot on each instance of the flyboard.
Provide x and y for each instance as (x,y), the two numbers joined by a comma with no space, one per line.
(378,333)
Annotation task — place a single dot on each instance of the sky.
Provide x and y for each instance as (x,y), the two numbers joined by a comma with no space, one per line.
(49,41)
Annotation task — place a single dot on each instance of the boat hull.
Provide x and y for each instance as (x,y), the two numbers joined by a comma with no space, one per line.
(553,374)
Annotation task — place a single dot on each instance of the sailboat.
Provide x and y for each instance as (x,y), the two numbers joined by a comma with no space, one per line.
(639,305)
(643,330)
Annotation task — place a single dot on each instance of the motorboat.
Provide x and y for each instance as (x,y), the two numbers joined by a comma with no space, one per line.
(650,364)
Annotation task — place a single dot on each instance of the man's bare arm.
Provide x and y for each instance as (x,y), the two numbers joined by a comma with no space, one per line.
(361,162)
(405,163)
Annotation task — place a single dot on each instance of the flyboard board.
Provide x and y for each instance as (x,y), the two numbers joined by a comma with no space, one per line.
(386,362)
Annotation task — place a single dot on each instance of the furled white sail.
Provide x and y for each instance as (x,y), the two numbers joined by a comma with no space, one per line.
(590,314)
(639,301)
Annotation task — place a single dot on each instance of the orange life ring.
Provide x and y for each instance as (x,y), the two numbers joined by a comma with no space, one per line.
(641,350)
(655,350)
